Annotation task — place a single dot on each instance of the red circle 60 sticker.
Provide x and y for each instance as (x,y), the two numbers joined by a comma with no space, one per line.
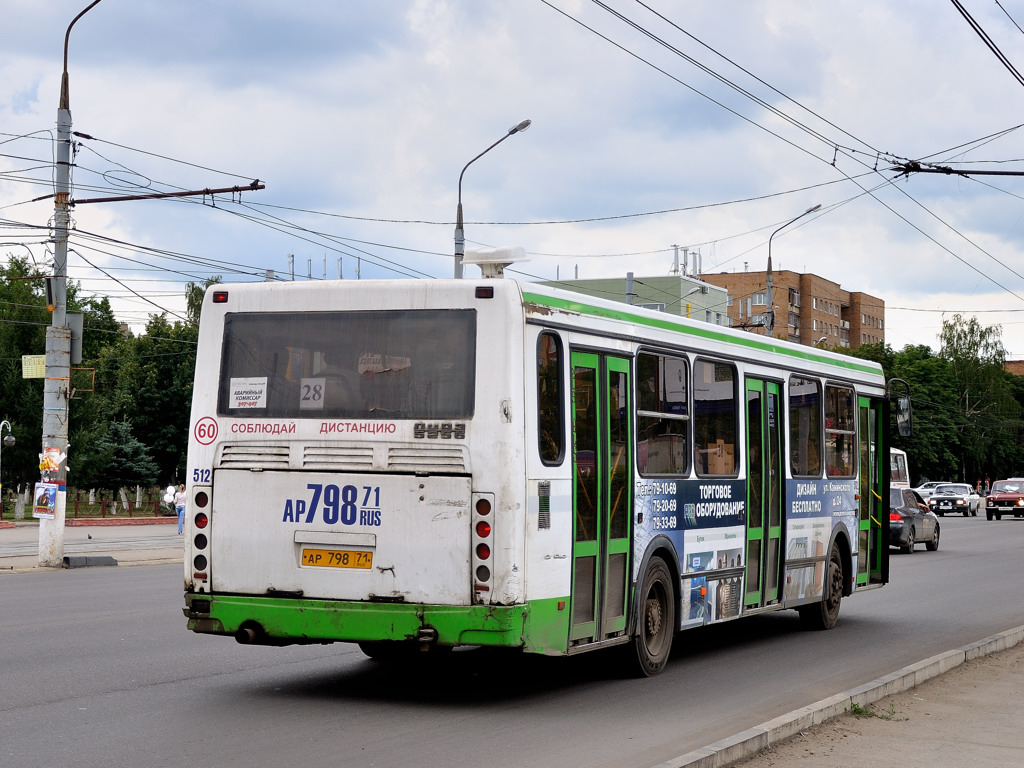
(205,431)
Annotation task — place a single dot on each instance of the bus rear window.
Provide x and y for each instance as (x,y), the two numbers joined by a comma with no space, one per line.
(399,364)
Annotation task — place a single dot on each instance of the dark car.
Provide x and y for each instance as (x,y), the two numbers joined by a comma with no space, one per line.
(954,498)
(910,521)
(1005,497)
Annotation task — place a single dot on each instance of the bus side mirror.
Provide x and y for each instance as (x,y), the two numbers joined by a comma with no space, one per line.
(904,416)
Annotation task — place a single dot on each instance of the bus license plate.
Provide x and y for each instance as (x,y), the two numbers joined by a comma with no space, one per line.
(337,558)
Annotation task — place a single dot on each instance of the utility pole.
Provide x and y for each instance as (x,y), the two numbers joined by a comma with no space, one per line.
(57,386)
(56,389)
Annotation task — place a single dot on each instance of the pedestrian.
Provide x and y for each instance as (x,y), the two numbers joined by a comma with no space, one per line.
(179,506)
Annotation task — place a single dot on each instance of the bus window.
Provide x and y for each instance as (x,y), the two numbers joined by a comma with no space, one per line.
(662,415)
(550,416)
(840,432)
(804,427)
(714,418)
(407,364)
(898,476)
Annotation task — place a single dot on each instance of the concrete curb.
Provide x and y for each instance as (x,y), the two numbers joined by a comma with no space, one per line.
(86,561)
(731,749)
(16,569)
(73,522)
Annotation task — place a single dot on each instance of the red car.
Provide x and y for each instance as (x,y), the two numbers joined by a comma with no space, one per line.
(1006,497)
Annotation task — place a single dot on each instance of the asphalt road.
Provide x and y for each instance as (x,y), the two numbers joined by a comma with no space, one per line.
(99,669)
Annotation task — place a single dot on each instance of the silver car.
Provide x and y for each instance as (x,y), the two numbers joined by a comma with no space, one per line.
(926,489)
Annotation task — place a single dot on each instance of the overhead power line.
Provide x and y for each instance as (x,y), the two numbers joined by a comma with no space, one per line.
(988,42)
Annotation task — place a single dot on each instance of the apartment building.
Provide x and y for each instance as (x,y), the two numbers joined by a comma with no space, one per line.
(808,309)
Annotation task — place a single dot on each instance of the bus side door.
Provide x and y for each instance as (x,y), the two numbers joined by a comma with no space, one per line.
(602,465)
(764,492)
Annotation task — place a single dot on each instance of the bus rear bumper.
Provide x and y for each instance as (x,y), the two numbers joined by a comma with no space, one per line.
(287,621)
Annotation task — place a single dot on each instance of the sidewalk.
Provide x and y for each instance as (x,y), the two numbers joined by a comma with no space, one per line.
(967,716)
(957,708)
(109,541)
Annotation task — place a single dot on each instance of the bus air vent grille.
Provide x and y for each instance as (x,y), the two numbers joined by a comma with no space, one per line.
(248,456)
(340,458)
(432,459)
(544,505)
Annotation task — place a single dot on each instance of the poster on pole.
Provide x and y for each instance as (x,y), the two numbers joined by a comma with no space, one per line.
(33,366)
(45,500)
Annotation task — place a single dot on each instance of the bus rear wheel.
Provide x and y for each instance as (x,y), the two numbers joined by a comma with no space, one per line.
(657,619)
(825,614)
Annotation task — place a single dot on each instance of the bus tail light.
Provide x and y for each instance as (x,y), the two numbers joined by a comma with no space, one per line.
(482,535)
(200,545)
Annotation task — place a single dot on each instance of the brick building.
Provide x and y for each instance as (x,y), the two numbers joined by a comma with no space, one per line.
(808,309)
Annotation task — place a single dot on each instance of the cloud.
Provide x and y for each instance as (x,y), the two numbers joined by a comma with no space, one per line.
(369,110)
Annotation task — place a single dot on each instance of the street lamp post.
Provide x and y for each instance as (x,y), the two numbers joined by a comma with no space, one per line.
(769,317)
(460,237)
(56,389)
(8,442)
(688,293)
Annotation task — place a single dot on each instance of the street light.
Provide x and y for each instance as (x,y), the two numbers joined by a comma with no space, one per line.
(460,238)
(822,339)
(7,441)
(58,334)
(769,323)
(688,293)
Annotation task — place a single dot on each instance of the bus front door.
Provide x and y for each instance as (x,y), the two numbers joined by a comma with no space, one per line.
(764,493)
(602,464)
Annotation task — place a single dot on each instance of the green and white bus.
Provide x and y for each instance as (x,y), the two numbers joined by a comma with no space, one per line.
(429,464)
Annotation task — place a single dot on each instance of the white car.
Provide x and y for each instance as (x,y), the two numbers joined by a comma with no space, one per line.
(954,498)
(927,489)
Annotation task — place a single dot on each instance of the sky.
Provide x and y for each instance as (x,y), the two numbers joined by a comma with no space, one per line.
(705,124)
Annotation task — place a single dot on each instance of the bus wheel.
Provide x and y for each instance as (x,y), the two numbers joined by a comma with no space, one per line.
(825,614)
(657,619)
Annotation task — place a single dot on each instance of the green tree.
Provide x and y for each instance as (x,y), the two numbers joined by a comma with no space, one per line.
(89,409)
(23,321)
(194,294)
(932,448)
(122,460)
(986,410)
(147,380)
